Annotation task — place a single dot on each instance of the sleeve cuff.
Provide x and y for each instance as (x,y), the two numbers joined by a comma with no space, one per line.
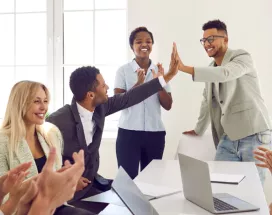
(199,131)
(162,81)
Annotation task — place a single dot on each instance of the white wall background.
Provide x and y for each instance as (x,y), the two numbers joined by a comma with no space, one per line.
(249,26)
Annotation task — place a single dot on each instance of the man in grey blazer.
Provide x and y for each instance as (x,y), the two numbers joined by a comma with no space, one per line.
(232,99)
(82,122)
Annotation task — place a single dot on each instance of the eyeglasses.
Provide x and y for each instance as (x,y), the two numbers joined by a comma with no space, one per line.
(210,39)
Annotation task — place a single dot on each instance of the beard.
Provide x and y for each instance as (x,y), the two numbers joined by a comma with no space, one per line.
(217,52)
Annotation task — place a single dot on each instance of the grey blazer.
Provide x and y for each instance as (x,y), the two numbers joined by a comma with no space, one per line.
(67,119)
(241,111)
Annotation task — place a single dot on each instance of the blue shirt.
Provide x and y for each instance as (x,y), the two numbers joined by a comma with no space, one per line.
(145,116)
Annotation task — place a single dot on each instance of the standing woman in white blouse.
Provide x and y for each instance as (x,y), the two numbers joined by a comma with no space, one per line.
(141,134)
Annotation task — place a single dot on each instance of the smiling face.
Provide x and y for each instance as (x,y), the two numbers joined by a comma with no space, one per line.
(142,45)
(37,109)
(218,45)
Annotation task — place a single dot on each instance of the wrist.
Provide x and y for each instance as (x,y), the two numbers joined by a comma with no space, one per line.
(167,77)
(137,84)
(187,69)
(9,207)
(41,206)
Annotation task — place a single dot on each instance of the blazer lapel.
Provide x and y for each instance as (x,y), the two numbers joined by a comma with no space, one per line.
(227,57)
(24,152)
(25,155)
(79,126)
(97,129)
(209,93)
(45,148)
(97,120)
(44,145)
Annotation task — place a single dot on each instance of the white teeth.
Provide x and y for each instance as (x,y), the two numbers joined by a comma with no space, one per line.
(210,49)
(41,114)
(143,50)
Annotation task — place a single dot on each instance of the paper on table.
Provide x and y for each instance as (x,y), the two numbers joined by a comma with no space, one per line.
(115,210)
(226,178)
(106,197)
(156,191)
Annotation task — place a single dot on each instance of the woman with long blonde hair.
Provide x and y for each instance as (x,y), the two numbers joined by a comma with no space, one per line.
(24,137)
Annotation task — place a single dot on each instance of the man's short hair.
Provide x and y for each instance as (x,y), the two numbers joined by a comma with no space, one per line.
(219,25)
(83,80)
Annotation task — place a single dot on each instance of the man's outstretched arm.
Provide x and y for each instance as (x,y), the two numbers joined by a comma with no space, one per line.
(142,92)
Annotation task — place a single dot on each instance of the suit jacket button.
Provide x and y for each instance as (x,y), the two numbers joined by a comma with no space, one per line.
(223,114)
(221,102)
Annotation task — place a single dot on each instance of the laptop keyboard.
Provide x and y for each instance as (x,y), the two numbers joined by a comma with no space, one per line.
(222,206)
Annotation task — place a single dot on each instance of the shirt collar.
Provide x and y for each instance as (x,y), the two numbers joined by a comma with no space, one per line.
(83,112)
(135,66)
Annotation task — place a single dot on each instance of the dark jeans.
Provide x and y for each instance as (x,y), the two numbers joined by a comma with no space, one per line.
(138,147)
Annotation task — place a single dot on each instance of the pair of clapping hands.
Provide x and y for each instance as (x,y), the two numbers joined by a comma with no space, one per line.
(44,192)
(141,73)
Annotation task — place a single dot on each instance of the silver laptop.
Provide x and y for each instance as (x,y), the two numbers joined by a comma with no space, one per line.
(197,189)
(131,196)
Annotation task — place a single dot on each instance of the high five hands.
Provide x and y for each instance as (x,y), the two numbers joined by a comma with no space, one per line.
(173,68)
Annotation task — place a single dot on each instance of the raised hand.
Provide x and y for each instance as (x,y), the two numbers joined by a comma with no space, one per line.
(180,64)
(174,60)
(173,69)
(265,156)
(141,76)
(160,71)
(19,188)
(15,193)
(55,188)
(8,180)
(182,67)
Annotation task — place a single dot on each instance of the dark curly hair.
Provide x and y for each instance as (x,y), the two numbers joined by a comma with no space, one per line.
(83,80)
(219,25)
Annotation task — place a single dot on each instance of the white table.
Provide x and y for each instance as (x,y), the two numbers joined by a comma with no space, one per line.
(167,173)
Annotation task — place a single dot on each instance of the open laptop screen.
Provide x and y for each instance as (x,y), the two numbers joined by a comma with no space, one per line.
(131,195)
